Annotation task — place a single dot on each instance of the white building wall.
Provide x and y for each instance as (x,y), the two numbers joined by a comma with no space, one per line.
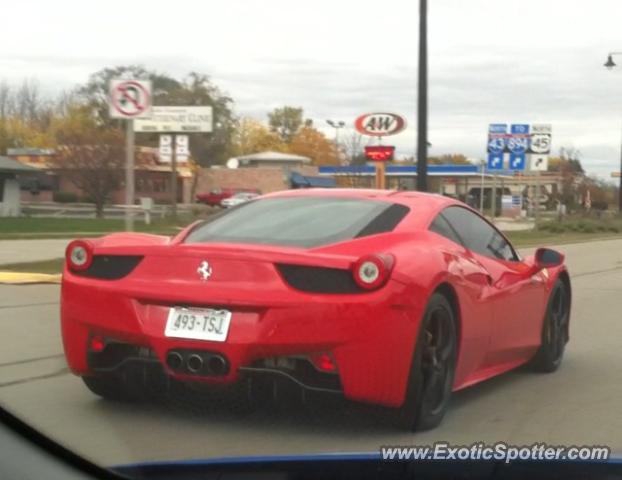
(9,204)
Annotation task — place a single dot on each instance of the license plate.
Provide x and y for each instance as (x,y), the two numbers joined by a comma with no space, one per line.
(198,323)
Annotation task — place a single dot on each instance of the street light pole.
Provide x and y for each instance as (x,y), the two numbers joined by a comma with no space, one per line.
(610,64)
(620,184)
(422,100)
(336,125)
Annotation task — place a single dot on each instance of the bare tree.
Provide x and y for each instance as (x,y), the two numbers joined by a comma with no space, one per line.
(27,100)
(353,145)
(93,160)
(5,100)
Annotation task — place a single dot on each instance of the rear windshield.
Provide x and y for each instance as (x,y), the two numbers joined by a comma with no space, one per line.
(301,222)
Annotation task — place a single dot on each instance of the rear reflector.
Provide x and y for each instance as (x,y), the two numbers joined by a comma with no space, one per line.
(97,344)
(324,362)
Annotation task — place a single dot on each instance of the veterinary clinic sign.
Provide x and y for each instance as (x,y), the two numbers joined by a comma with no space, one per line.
(176,119)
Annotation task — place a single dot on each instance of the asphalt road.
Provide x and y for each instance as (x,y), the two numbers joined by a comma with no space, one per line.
(579,404)
(19,251)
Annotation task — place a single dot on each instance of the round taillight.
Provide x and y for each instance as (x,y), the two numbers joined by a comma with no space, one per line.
(372,271)
(79,255)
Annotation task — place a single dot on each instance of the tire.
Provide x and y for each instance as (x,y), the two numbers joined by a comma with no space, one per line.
(549,356)
(112,387)
(432,370)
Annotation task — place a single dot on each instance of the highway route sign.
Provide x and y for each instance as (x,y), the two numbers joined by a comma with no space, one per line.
(518,143)
(496,145)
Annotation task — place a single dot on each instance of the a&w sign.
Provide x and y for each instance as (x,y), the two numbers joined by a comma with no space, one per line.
(379,124)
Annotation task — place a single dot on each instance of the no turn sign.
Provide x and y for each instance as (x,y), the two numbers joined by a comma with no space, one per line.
(130,98)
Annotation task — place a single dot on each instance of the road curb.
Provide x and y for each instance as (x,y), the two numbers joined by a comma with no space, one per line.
(22,278)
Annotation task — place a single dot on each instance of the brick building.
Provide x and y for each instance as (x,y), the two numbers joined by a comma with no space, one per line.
(266,171)
(152,178)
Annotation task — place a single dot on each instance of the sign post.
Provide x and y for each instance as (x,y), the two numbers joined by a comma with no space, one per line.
(537,198)
(129,99)
(481,190)
(380,154)
(174,179)
(129,175)
(539,148)
(380,175)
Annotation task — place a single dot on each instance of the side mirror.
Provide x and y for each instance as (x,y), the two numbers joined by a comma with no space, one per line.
(548,258)
(545,258)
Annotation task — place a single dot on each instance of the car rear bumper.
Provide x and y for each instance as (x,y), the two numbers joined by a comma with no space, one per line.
(370,336)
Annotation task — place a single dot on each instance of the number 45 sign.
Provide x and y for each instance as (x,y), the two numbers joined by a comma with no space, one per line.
(540,139)
(540,146)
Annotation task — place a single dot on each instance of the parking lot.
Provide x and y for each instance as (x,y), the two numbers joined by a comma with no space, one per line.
(579,404)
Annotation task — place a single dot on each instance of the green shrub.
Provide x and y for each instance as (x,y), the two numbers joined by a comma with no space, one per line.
(64,197)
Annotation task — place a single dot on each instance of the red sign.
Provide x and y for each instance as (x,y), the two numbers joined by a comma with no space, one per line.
(379,124)
(379,153)
(130,98)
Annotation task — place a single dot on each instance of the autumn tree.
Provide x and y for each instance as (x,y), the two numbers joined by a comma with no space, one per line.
(286,122)
(91,155)
(312,143)
(25,116)
(568,166)
(252,136)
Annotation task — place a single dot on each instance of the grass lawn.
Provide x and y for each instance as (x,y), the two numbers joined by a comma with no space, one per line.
(30,227)
(533,238)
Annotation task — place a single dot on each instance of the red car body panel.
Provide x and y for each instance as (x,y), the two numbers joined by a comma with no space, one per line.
(372,335)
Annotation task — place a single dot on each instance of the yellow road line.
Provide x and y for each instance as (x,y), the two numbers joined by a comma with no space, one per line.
(22,278)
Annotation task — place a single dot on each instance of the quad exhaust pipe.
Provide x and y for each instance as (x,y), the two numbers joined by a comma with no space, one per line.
(197,363)
(194,363)
(174,360)
(217,365)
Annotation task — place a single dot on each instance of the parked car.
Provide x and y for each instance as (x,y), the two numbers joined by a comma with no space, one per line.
(214,197)
(237,199)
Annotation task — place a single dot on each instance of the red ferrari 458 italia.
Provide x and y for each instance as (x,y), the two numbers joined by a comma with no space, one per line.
(391,298)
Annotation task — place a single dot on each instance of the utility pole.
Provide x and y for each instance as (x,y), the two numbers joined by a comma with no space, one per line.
(620,184)
(422,105)
(493,197)
(336,124)
(537,198)
(173,177)
(610,64)
(481,190)
(129,175)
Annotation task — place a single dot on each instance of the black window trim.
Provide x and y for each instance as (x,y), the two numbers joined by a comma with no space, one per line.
(517,257)
(451,227)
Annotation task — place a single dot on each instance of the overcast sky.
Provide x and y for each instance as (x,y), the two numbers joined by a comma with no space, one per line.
(528,61)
